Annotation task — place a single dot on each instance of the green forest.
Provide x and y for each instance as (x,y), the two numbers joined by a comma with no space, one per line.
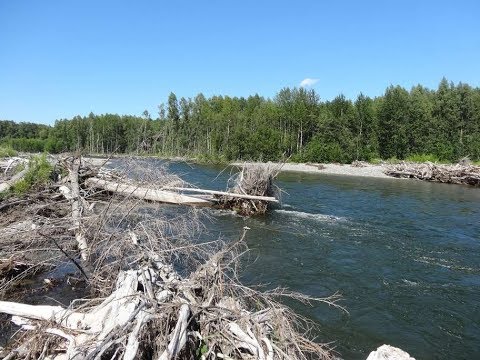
(441,124)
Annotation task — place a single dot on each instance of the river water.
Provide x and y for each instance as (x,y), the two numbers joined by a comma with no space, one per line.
(404,254)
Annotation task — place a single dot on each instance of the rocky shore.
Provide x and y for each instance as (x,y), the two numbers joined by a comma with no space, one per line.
(363,169)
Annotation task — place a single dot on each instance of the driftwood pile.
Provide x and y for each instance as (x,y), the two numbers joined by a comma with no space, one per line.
(253,179)
(452,174)
(153,292)
(156,314)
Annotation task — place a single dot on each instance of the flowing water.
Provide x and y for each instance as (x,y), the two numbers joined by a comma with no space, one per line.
(404,254)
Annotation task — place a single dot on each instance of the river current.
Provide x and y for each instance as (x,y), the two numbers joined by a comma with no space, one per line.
(404,255)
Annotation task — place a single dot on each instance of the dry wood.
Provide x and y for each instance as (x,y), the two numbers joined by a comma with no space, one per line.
(224,193)
(12,267)
(179,335)
(146,193)
(77,208)
(207,310)
(8,164)
(451,174)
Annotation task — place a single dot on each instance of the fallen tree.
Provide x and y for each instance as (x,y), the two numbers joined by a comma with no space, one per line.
(252,192)
(451,174)
(225,194)
(144,193)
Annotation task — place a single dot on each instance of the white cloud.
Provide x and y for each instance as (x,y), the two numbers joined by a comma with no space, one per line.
(308,82)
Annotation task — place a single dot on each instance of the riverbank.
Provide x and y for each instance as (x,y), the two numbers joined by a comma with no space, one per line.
(365,169)
(460,173)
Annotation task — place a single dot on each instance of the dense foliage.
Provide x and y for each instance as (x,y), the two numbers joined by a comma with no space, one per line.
(442,124)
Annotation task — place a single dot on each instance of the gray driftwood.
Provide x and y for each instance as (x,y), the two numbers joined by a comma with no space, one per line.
(224,193)
(145,193)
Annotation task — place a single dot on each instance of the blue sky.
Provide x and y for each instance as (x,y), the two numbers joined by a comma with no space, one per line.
(64,58)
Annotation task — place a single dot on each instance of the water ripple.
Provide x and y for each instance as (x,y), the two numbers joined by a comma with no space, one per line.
(316,217)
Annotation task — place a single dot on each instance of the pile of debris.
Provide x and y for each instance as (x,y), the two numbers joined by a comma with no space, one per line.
(155,313)
(151,292)
(466,174)
(256,180)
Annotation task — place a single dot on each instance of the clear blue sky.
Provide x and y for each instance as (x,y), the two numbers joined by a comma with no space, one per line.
(63,58)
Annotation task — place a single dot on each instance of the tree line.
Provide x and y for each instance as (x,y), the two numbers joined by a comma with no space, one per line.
(443,123)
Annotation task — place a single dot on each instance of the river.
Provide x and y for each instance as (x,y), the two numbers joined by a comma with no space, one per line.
(404,254)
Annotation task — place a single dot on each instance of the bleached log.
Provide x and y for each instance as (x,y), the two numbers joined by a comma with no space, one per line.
(113,311)
(223,193)
(75,200)
(133,339)
(179,335)
(120,307)
(9,164)
(94,327)
(246,341)
(56,314)
(146,193)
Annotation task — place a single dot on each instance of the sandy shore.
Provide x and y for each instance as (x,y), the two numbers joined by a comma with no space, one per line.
(368,170)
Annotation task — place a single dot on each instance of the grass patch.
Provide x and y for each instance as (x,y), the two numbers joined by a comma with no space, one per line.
(7,151)
(392,161)
(422,158)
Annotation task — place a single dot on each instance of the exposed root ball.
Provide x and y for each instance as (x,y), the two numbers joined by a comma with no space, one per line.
(253,179)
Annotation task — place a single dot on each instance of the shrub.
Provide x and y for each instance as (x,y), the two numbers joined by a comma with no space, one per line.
(319,152)
(27,145)
(392,160)
(39,173)
(7,151)
(214,159)
(375,161)
(421,158)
